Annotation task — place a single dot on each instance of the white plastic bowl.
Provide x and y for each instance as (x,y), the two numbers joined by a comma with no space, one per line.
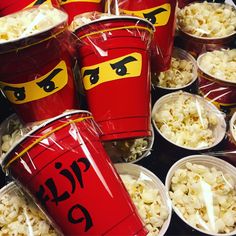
(183,55)
(208,161)
(139,172)
(218,131)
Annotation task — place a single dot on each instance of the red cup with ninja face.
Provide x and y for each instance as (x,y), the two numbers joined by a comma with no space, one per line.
(76,7)
(161,14)
(36,66)
(114,63)
(64,167)
(10,6)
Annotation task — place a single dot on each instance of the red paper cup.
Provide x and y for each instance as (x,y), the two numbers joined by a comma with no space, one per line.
(162,15)
(220,92)
(76,7)
(36,73)
(10,6)
(64,167)
(114,62)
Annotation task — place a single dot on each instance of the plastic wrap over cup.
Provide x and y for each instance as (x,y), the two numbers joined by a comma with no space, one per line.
(21,215)
(10,6)
(36,64)
(63,165)
(202,191)
(217,88)
(76,7)
(115,69)
(207,32)
(161,14)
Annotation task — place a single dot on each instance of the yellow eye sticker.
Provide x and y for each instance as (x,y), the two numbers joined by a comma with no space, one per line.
(62,2)
(39,88)
(158,16)
(127,66)
(38,2)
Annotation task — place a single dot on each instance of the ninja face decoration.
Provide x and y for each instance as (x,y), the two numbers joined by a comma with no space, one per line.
(124,67)
(41,87)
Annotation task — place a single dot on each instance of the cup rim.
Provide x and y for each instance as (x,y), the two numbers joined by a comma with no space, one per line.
(23,138)
(206,38)
(200,57)
(195,76)
(115,17)
(214,161)
(159,185)
(63,20)
(209,104)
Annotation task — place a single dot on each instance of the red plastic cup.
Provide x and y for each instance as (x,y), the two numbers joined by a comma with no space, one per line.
(36,72)
(76,7)
(10,6)
(114,62)
(161,14)
(63,165)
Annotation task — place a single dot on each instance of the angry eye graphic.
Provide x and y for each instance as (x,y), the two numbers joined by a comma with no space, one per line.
(19,93)
(38,2)
(94,75)
(120,67)
(47,84)
(151,16)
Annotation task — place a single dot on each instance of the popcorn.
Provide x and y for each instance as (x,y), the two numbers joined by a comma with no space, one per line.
(179,74)
(205,196)
(86,18)
(128,150)
(187,122)
(15,131)
(148,202)
(25,23)
(20,216)
(220,64)
(209,20)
